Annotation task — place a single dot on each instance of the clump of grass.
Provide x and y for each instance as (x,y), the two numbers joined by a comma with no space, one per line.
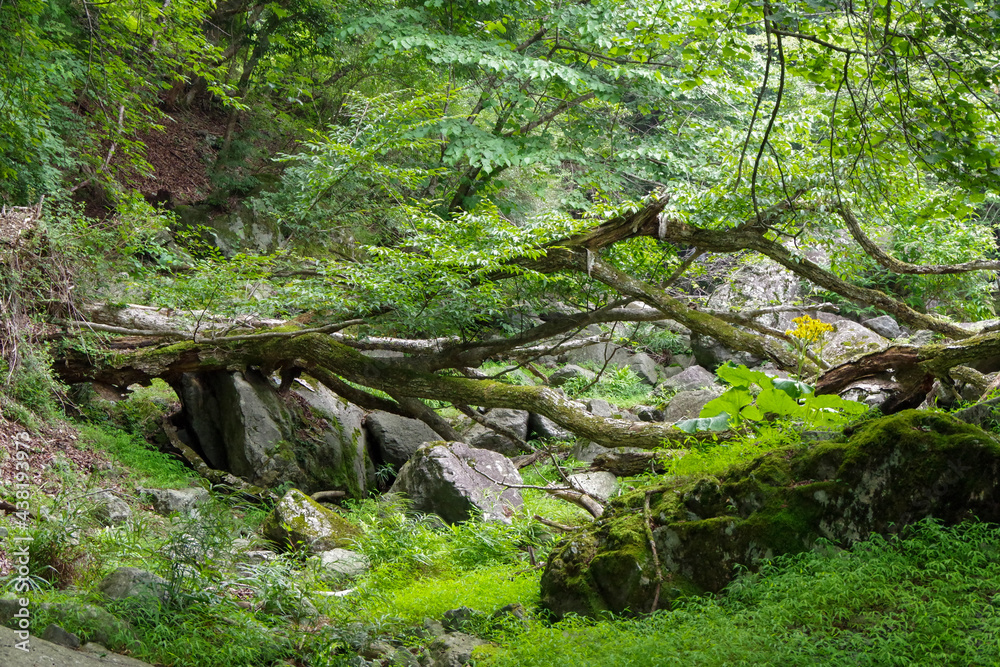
(708,457)
(925,599)
(619,385)
(148,466)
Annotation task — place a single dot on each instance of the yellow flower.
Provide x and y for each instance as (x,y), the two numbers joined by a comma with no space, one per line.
(809,330)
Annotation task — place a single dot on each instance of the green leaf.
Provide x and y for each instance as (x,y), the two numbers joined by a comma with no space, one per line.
(720,422)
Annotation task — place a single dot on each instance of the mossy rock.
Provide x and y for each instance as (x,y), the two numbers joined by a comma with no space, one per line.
(299,521)
(890,473)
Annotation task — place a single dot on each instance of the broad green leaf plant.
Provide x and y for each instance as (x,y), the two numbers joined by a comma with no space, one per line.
(754,397)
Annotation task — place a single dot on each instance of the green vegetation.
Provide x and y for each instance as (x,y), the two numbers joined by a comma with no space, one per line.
(458,189)
(923,598)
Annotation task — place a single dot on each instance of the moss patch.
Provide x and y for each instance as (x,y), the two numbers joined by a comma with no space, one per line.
(890,473)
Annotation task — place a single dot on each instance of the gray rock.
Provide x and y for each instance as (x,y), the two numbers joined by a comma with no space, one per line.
(601,408)
(711,354)
(600,354)
(570,372)
(339,460)
(131,582)
(42,653)
(757,284)
(111,510)
(694,377)
(688,404)
(647,369)
(599,485)
(87,620)
(57,635)
(440,479)
(433,628)
(309,437)
(682,360)
(543,427)
(884,326)
(453,650)
(647,413)
(587,451)
(170,501)
(849,339)
(516,421)
(396,437)
(344,562)
(298,520)
(922,337)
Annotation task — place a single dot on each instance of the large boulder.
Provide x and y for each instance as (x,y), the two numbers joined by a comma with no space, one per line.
(890,473)
(512,421)
(456,482)
(309,436)
(395,438)
(298,520)
(758,283)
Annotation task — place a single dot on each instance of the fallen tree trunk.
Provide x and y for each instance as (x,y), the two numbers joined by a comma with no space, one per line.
(320,355)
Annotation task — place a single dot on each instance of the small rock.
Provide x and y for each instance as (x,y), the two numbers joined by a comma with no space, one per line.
(647,369)
(514,610)
(694,377)
(397,437)
(456,482)
(131,582)
(600,354)
(170,501)
(922,337)
(57,635)
(433,628)
(688,404)
(110,509)
(587,451)
(514,421)
(570,372)
(600,408)
(344,562)
(884,326)
(599,485)
(298,520)
(543,427)
(648,413)
(454,649)
(258,556)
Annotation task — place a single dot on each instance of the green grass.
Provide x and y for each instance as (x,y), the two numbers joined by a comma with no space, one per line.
(147,466)
(706,457)
(484,589)
(930,599)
